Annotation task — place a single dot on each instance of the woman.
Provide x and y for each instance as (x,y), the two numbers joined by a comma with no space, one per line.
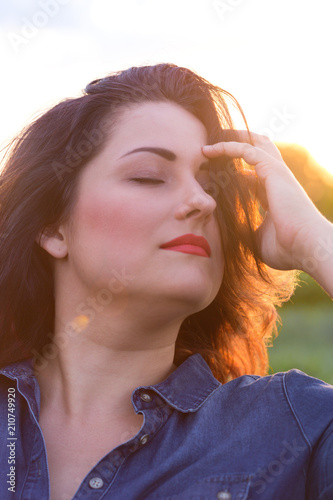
(137,302)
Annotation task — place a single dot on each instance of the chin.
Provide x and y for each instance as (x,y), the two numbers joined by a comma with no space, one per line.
(195,301)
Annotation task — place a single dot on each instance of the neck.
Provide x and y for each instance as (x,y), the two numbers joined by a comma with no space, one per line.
(100,366)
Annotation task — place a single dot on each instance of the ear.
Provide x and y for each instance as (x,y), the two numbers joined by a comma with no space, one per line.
(54,242)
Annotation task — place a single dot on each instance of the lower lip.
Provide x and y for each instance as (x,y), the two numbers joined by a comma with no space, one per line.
(188,249)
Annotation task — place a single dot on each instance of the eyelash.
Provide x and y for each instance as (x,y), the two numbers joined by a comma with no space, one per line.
(156,182)
(147,180)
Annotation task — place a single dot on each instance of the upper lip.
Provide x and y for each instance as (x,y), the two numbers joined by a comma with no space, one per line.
(189,239)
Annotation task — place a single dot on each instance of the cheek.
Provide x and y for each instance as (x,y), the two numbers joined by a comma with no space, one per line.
(219,260)
(113,218)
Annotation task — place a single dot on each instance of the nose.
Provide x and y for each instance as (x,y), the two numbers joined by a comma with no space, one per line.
(196,203)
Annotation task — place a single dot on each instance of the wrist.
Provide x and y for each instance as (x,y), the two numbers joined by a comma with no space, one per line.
(318,260)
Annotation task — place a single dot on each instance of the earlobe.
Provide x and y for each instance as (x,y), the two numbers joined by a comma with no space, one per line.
(53,241)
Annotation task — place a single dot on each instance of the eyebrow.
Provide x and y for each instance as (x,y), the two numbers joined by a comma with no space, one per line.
(164,153)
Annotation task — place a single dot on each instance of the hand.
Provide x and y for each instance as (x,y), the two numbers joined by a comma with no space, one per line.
(293,227)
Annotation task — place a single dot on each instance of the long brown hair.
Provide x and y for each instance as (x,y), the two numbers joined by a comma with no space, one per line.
(37,189)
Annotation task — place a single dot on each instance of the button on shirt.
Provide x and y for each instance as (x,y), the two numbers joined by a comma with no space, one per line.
(251,438)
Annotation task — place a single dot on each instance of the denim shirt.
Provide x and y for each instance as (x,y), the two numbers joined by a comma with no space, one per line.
(251,438)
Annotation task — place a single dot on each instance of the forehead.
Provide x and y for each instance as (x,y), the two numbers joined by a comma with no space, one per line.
(162,124)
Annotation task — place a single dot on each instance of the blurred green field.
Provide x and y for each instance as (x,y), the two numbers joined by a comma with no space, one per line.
(305,340)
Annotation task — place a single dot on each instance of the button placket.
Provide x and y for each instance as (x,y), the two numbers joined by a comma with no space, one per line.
(146,398)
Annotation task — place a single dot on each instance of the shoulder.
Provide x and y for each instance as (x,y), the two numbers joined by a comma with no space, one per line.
(291,395)
(311,402)
(300,390)
(303,391)
(297,387)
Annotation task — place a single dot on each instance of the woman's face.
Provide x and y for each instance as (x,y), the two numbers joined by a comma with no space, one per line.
(131,201)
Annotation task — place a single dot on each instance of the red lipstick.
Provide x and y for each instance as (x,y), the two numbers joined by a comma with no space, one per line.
(189,243)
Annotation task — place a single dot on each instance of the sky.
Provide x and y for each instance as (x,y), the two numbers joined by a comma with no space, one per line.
(274,56)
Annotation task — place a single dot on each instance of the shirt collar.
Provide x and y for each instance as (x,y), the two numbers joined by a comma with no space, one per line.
(189,386)
(19,369)
(186,389)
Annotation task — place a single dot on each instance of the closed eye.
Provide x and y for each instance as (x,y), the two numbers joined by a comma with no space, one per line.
(147,180)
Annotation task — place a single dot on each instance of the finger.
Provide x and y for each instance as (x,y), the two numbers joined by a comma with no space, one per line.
(264,163)
(253,139)
(251,154)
